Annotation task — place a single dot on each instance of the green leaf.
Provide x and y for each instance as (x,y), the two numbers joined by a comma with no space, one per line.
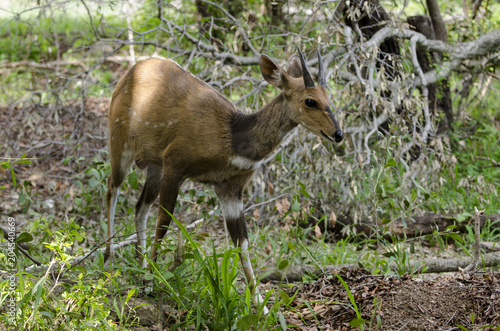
(450,227)
(357,322)
(413,195)
(283,264)
(14,183)
(66,160)
(391,163)
(24,238)
(46,314)
(132,180)
(282,320)
(304,193)
(407,204)
(130,294)
(456,237)
(386,221)
(284,296)
(295,206)
(389,254)
(247,321)
(92,182)
(95,173)
(167,275)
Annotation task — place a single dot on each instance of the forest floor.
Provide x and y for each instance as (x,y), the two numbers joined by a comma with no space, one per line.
(447,302)
(443,302)
(399,303)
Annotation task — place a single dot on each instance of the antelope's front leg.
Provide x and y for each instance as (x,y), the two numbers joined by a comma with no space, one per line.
(232,210)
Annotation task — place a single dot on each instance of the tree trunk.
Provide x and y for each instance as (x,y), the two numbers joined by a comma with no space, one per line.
(369,23)
(441,33)
(437,21)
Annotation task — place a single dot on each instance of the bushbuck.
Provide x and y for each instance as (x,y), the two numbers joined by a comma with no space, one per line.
(166,120)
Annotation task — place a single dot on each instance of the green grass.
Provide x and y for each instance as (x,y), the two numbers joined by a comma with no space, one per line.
(208,290)
(204,291)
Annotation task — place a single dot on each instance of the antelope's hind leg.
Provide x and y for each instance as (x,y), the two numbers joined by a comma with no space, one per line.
(121,160)
(149,194)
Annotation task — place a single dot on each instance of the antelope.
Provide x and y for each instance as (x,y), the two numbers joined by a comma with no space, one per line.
(166,120)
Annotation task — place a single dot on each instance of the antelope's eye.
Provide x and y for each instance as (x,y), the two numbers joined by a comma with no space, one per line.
(311,103)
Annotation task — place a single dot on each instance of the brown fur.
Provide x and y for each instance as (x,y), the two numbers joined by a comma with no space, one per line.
(163,118)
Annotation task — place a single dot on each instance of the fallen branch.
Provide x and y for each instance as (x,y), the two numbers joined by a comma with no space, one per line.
(427,224)
(131,240)
(416,225)
(296,272)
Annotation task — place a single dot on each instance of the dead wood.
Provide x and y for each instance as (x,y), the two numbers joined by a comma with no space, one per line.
(295,272)
(413,226)
(427,224)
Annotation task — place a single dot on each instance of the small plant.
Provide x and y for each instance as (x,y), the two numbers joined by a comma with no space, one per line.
(60,297)
(358,321)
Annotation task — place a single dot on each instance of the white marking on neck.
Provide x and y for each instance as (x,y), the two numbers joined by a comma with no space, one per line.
(244,163)
(231,208)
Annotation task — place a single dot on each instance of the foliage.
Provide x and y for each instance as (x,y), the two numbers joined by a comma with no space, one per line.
(59,57)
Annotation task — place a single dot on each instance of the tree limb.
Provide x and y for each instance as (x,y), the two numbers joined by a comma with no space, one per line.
(295,272)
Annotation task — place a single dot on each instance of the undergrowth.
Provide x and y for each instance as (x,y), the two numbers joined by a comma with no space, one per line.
(208,291)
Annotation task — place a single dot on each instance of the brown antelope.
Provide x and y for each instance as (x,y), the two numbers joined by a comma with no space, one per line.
(168,121)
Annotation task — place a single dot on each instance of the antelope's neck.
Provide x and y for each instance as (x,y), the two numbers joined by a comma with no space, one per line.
(255,136)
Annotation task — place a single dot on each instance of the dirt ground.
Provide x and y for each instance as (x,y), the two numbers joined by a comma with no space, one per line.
(391,303)
(451,302)
(387,303)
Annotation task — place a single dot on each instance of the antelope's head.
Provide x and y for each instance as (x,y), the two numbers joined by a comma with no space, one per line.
(309,103)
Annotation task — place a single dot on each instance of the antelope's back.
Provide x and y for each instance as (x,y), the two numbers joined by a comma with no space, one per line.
(157,102)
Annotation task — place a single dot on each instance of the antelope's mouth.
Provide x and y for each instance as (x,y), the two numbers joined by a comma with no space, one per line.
(326,136)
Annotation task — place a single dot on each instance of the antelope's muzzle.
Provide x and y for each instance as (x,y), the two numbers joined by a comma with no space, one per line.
(338,135)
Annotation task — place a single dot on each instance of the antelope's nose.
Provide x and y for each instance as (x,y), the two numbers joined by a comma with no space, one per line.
(339,135)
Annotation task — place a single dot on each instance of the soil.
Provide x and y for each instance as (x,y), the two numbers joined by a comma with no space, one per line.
(452,302)
(391,303)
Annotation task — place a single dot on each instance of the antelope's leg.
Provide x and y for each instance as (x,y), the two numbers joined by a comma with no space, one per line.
(169,190)
(148,196)
(111,200)
(120,162)
(232,210)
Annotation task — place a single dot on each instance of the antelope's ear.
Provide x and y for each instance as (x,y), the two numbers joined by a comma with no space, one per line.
(273,73)
(294,67)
